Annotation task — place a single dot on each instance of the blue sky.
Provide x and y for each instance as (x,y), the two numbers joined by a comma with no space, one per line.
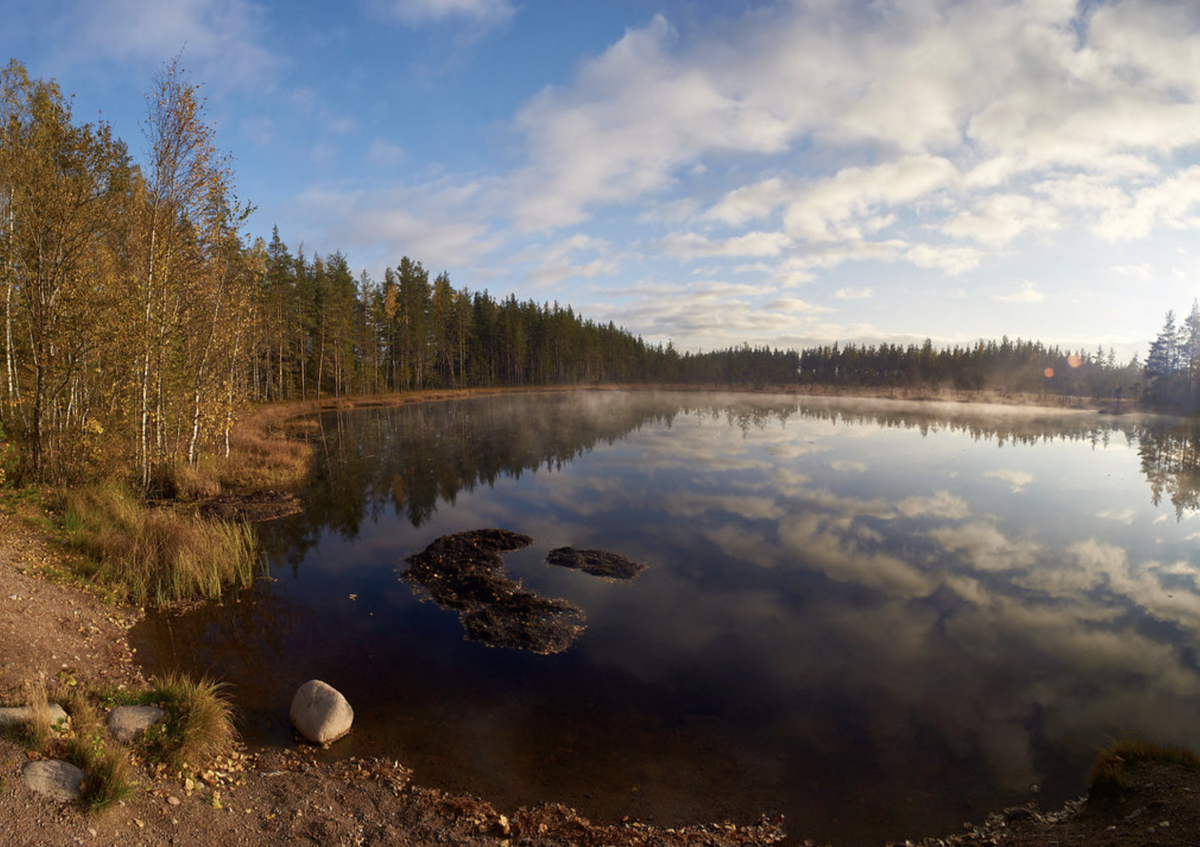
(704,172)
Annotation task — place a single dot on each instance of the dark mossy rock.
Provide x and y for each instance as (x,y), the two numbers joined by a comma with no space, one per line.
(595,562)
(465,572)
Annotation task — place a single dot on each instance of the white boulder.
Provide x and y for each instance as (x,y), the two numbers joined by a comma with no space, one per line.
(320,713)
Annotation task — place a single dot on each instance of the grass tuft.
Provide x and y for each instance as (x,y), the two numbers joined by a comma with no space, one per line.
(1110,771)
(38,726)
(155,555)
(199,724)
(35,733)
(108,774)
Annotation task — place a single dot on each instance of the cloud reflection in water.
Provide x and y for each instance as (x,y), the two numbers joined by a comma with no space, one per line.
(854,609)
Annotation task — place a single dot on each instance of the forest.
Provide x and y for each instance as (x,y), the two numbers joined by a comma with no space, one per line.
(141,319)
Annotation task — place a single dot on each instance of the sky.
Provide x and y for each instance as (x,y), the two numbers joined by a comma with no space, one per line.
(703,172)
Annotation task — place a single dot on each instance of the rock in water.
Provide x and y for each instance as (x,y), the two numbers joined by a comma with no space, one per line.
(320,713)
(53,778)
(599,563)
(465,571)
(125,722)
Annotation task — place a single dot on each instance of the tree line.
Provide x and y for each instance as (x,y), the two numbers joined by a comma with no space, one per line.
(140,319)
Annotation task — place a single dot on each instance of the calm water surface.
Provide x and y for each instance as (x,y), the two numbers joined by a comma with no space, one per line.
(878,619)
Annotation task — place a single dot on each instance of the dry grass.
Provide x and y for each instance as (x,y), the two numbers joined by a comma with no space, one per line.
(268,449)
(1110,772)
(38,725)
(35,732)
(154,555)
(108,774)
(199,725)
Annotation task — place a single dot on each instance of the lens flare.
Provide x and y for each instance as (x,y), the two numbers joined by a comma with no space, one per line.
(1049,373)
(1074,360)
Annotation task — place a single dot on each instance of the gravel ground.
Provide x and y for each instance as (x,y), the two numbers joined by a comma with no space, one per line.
(268,797)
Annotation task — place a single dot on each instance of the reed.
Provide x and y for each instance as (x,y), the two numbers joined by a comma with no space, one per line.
(149,555)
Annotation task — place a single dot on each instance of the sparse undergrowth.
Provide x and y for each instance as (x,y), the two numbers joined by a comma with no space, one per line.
(199,723)
(108,774)
(1111,770)
(198,727)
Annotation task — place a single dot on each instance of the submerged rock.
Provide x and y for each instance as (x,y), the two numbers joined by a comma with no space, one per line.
(53,778)
(595,562)
(465,572)
(320,713)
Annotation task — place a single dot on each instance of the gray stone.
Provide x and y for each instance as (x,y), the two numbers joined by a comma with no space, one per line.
(320,713)
(53,778)
(14,715)
(125,722)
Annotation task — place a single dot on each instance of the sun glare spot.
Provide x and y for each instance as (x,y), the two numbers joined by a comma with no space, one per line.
(1074,360)
(1049,372)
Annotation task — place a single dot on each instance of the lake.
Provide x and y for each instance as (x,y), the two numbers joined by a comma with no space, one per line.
(879,619)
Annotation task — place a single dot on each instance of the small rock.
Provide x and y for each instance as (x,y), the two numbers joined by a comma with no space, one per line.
(55,779)
(320,713)
(125,722)
(15,715)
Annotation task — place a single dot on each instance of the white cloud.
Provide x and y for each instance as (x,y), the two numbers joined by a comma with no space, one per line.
(385,154)
(556,263)
(854,294)
(1174,203)
(750,202)
(998,219)
(985,546)
(634,115)
(848,467)
(795,306)
(383,225)
(943,505)
(868,130)
(418,13)
(1027,294)
(220,41)
(1141,271)
(829,208)
(693,246)
(1016,479)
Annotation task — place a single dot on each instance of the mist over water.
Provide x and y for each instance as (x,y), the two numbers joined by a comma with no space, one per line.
(879,619)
